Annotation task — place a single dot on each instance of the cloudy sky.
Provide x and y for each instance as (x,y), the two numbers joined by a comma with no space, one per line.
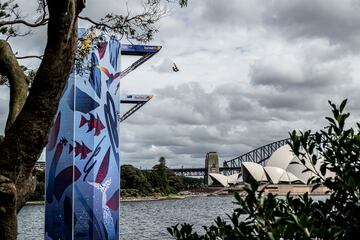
(250,72)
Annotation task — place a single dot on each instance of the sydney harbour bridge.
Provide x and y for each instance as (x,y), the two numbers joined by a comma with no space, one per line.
(258,155)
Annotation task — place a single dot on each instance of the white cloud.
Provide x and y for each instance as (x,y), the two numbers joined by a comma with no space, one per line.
(336,21)
(250,72)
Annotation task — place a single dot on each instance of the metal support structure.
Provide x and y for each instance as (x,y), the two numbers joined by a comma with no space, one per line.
(258,155)
(146,52)
(138,100)
(193,172)
(189,172)
(131,111)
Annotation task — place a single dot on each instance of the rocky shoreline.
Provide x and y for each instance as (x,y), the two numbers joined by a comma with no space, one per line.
(145,198)
(160,198)
(280,190)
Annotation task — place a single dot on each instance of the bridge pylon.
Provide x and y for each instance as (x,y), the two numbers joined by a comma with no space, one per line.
(211,166)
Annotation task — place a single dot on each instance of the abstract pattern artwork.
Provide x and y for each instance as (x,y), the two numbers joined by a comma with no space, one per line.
(82,155)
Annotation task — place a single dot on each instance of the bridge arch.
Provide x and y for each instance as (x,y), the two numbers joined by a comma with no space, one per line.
(258,155)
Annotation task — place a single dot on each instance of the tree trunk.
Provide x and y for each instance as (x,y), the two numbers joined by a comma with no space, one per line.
(8,222)
(27,136)
(19,82)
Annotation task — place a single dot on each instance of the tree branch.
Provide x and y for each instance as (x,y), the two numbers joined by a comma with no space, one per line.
(94,22)
(21,21)
(140,27)
(30,56)
(19,83)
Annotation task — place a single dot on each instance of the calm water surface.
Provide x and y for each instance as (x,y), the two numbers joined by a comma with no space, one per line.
(142,220)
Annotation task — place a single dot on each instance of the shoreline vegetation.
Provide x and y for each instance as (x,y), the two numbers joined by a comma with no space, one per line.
(185,195)
(141,185)
(161,183)
(147,198)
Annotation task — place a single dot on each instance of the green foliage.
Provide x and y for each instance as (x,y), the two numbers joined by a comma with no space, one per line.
(190,183)
(164,180)
(133,178)
(159,176)
(269,217)
(161,180)
(6,9)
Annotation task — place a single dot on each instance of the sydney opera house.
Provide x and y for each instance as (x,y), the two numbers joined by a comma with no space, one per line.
(282,167)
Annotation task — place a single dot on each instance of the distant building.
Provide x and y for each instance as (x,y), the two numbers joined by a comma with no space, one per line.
(222,180)
(282,167)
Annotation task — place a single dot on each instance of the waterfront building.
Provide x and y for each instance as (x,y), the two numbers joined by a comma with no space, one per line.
(282,167)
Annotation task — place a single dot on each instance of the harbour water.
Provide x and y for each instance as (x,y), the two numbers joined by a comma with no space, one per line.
(142,220)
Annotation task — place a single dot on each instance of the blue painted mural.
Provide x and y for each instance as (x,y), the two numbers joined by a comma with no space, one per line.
(82,156)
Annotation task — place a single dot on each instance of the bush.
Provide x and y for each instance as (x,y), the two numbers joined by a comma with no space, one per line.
(269,217)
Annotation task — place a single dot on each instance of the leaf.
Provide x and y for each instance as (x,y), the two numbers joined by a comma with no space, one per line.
(323,169)
(332,121)
(343,104)
(352,182)
(318,138)
(271,236)
(315,187)
(314,159)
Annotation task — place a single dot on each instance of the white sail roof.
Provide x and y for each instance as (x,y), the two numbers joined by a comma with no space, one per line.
(281,158)
(297,168)
(225,181)
(277,175)
(285,159)
(254,170)
(282,166)
(232,179)
(222,179)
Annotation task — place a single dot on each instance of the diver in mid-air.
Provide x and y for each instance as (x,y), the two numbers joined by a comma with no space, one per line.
(175,68)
